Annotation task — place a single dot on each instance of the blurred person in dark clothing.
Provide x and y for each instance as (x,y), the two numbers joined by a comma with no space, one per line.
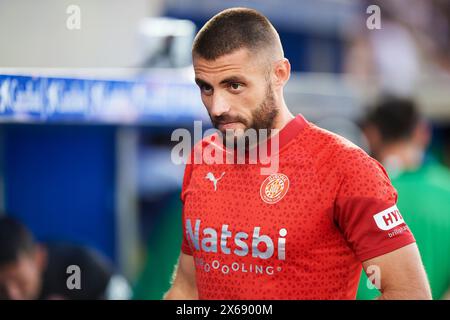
(398,137)
(41,271)
(397,134)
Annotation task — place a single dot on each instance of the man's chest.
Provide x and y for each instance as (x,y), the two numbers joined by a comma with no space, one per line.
(233,208)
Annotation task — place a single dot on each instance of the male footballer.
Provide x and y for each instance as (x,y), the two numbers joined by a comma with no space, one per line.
(302,232)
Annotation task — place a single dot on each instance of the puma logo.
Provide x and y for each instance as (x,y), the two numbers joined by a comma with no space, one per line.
(213,179)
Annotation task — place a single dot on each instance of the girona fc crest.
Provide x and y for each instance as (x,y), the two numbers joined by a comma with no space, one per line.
(274,188)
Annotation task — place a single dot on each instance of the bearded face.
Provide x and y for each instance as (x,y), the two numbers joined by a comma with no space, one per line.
(261,118)
(237,93)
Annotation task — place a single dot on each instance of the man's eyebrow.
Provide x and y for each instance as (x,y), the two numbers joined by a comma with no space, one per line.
(201,82)
(232,79)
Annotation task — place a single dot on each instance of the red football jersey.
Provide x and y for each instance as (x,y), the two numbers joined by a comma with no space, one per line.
(299,233)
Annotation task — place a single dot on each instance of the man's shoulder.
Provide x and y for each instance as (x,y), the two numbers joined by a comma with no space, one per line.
(61,253)
(202,147)
(433,177)
(95,268)
(334,149)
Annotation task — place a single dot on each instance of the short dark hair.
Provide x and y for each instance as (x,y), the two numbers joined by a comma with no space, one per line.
(395,118)
(15,239)
(234,29)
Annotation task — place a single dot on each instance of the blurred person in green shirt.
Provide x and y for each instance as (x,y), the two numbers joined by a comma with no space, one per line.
(398,137)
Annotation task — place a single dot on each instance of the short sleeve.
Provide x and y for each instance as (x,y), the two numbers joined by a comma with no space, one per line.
(366,208)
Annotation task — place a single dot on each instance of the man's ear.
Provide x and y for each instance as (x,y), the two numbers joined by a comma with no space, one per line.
(422,134)
(373,137)
(282,70)
(40,257)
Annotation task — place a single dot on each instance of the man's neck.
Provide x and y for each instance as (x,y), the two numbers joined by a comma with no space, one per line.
(282,119)
(401,156)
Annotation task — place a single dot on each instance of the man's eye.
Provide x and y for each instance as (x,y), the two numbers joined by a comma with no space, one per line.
(206,89)
(236,86)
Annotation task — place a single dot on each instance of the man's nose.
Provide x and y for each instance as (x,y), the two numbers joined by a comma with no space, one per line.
(219,105)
